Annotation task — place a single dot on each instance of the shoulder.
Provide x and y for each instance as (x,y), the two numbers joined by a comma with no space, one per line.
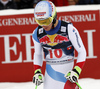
(71,28)
(37,32)
(34,35)
(66,24)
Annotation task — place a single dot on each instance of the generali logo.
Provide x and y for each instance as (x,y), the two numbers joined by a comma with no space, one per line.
(79,18)
(25,53)
(17,21)
(31,20)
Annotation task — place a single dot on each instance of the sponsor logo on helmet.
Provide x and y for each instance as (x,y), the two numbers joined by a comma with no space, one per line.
(40,13)
(51,6)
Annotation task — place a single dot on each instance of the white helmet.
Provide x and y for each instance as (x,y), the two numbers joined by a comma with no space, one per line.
(44,10)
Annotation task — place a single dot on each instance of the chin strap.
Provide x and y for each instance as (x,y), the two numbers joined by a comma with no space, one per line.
(53,25)
(54,21)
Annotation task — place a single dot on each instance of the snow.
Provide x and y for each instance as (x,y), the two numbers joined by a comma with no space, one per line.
(85,83)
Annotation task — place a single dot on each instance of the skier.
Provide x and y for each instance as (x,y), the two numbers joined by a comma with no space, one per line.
(58,39)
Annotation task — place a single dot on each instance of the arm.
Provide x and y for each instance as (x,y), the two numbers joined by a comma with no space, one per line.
(78,45)
(38,61)
(38,51)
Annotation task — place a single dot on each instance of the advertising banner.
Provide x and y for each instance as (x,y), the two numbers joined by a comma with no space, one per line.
(17,47)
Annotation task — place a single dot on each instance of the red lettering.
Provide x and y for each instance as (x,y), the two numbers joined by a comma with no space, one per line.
(58,53)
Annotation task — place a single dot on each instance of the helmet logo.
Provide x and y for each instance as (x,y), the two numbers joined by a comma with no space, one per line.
(51,6)
(40,13)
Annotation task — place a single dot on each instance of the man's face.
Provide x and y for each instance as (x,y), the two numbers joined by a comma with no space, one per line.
(47,28)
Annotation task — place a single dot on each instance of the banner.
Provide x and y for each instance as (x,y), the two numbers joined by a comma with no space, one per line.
(17,47)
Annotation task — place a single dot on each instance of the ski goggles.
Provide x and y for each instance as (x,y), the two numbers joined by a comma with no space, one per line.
(45,22)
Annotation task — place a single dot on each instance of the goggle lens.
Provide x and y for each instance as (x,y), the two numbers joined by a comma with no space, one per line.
(44,22)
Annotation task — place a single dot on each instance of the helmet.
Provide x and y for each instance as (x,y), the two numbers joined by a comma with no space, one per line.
(45,13)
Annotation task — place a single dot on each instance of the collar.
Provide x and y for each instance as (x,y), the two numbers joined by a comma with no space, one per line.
(54,30)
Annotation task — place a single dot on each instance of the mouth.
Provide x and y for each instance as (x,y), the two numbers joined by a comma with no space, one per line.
(45,28)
